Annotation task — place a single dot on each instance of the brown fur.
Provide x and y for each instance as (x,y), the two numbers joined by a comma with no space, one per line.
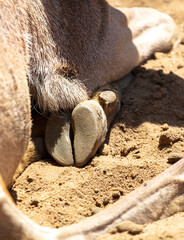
(74,47)
(15,120)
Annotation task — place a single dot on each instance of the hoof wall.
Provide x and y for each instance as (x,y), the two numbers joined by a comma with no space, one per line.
(57,139)
(90,127)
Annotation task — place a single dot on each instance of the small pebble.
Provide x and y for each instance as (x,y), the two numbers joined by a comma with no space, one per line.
(96,190)
(168,138)
(174,157)
(165,127)
(97,203)
(130,227)
(67,204)
(29,179)
(133,175)
(116,195)
(180,66)
(106,201)
(138,156)
(120,190)
(34,203)
(128,148)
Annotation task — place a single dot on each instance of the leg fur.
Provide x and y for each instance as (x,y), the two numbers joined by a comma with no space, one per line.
(77,47)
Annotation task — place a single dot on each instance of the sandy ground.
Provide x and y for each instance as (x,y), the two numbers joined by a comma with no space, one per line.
(152,107)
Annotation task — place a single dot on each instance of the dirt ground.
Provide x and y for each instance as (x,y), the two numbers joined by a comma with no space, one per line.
(152,107)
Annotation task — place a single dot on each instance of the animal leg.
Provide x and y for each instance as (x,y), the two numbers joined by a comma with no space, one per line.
(89,122)
(152,31)
(132,36)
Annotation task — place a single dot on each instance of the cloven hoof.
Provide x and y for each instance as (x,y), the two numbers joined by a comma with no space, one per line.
(74,138)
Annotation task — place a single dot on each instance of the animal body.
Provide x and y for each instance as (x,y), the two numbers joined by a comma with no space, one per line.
(58,53)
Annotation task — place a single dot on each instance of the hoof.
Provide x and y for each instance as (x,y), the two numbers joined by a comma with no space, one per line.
(57,139)
(89,123)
